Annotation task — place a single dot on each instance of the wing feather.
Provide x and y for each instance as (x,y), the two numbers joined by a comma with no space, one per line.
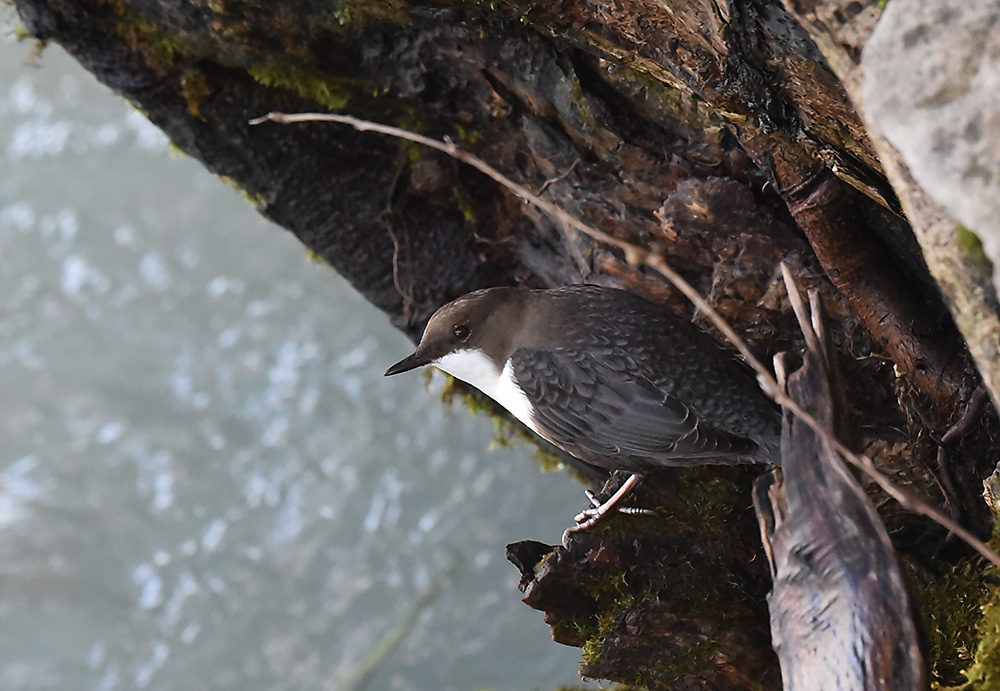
(595,405)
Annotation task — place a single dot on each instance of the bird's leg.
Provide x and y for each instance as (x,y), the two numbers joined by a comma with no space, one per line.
(591,517)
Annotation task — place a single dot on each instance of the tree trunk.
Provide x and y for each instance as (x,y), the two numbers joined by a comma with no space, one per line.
(715,133)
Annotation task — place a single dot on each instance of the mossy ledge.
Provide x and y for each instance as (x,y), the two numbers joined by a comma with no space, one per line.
(634,591)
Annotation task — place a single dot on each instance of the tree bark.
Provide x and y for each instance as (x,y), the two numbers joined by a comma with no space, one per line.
(716,133)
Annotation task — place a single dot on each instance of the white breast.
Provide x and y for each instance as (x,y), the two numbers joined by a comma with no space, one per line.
(477,369)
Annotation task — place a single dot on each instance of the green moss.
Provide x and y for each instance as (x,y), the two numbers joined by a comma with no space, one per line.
(961,618)
(607,622)
(615,603)
(469,138)
(984,674)
(950,608)
(257,200)
(563,630)
(972,248)
(612,590)
(272,70)
(21,35)
(159,48)
(592,646)
(411,121)
(551,462)
(465,206)
(690,661)
(968,241)
(194,87)
(283,74)
(173,150)
(358,13)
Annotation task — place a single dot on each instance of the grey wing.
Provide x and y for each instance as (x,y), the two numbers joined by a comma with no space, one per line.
(592,404)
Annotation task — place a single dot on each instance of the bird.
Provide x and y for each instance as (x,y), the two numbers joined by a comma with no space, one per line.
(609,377)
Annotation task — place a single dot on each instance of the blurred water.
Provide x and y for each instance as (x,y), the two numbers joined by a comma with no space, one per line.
(205,482)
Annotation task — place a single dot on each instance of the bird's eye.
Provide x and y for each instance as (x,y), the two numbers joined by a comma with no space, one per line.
(461,332)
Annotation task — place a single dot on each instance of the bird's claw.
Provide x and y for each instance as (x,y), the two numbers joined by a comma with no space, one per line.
(596,504)
(588,518)
(637,511)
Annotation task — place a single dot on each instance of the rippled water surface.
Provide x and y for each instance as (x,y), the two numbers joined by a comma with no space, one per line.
(205,482)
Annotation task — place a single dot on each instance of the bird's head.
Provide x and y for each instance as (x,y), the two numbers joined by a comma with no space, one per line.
(471,324)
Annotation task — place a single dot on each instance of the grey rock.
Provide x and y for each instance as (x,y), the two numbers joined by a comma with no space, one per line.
(930,88)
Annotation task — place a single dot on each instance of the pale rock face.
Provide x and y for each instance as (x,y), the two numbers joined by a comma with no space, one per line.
(477,369)
(931,79)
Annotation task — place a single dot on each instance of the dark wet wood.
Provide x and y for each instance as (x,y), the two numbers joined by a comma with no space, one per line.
(840,613)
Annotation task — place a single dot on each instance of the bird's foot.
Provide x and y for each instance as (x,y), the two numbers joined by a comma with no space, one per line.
(596,503)
(588,518)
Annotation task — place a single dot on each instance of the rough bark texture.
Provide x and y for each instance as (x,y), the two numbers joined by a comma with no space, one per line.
(841,616)
(715,132)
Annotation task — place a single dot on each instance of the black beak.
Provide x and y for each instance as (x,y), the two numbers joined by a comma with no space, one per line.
(406,364)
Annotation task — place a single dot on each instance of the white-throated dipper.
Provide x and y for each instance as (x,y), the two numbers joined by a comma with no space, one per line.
(609,377)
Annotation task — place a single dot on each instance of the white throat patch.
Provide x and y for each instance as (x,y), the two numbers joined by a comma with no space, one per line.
(475,368)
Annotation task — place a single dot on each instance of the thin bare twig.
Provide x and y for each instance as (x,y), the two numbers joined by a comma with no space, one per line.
(638,256)
(558,178)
